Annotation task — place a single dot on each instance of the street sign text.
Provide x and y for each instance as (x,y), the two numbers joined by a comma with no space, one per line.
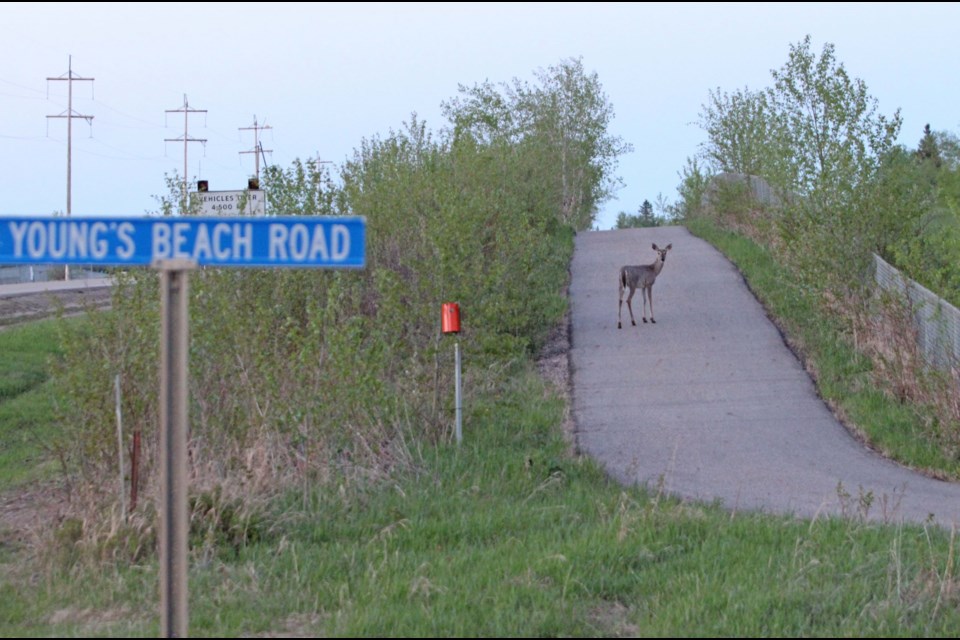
(235,242)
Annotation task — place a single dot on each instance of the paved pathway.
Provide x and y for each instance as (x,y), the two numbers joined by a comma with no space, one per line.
(709,403)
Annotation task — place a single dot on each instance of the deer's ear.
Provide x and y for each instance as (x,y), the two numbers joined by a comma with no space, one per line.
(669,246)
(655,247)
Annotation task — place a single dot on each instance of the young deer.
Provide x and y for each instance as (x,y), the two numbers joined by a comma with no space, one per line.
(641,277)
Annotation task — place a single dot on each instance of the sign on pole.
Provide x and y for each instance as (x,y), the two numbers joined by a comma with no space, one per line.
(174,245)
(293,242)
(249,202)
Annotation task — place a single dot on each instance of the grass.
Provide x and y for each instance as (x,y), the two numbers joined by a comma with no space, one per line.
(509,535)
(25,401)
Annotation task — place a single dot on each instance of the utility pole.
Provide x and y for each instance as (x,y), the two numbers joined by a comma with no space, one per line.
(185,138)
(70,115)
(319,162)
(257,147)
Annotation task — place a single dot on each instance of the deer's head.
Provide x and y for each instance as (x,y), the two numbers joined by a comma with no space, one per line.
(662,253)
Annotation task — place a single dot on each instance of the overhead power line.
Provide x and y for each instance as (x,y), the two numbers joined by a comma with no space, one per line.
(258,149)
(69,77)
(186,110)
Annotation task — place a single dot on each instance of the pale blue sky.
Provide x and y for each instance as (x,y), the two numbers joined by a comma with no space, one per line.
(324,76)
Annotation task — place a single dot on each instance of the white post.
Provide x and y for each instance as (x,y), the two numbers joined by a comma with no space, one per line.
(123,498)
(458,398)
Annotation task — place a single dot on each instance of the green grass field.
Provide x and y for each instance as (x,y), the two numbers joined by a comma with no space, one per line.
(505,535)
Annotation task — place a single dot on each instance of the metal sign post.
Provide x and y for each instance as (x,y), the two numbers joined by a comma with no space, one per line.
(174,515)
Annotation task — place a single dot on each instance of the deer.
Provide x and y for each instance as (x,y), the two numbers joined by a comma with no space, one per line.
(641,277)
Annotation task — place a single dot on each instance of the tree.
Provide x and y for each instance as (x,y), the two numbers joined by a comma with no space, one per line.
(626,221)
(646,211)
(740,133)
(562,120)
(645,218)
(928,150)
(833,142)
(694,180)
(827,123)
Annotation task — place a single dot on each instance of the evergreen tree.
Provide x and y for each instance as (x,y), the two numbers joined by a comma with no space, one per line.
(647,218)
(929,150)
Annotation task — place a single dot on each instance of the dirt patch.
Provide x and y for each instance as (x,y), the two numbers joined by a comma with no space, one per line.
(27,514)
(553,363)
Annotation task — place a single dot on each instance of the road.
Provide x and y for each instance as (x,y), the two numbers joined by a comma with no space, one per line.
(709,403)
(28,301)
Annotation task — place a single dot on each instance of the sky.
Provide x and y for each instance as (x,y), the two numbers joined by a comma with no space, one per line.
(314,80)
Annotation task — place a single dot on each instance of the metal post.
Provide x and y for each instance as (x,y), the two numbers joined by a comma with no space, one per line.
(458,400)
(173,448)
(119,411)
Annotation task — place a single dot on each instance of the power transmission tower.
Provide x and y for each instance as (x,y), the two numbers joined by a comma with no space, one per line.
(186,139)
(69,114)
(258,149)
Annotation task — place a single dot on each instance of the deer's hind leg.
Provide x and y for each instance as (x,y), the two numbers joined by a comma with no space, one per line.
(629,307)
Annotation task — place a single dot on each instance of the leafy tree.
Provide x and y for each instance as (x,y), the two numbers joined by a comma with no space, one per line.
(625,221)
(740,129)
(949,146)
(664,209)
(834,143)
(694,180)
(828,123)
(563,119)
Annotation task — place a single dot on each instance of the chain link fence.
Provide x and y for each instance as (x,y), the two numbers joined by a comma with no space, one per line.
(937,321)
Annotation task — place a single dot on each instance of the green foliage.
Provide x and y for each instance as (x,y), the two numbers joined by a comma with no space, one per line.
(110,346)
(816,135)
(22,366)
(644,218)
(851,193)
(828,124)
(314,376)
(926,243)
(928,150)
(509,536)
(26,354)
(562,122)
(694,181)
(740,128)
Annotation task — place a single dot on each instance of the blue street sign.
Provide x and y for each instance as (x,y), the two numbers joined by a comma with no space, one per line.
(292,242)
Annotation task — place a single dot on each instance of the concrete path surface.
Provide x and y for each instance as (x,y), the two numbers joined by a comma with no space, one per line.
(709,403)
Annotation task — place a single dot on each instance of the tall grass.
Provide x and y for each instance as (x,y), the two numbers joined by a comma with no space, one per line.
(510,535)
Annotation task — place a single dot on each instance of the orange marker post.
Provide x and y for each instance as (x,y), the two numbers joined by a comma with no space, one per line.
(450,323)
